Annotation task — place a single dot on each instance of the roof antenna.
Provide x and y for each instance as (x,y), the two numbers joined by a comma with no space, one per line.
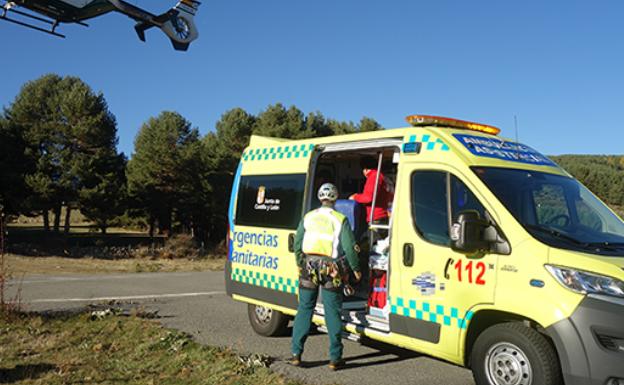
(517,140)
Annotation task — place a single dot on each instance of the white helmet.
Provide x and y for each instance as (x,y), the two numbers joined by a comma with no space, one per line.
(328,192)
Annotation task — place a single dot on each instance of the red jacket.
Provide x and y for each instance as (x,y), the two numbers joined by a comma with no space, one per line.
(384,197)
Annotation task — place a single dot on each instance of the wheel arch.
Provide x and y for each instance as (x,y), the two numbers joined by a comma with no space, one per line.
(275,325)
(486,318)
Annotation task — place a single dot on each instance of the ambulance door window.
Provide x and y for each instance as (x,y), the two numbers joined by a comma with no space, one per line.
(270,200)
(429,206)
(462,199)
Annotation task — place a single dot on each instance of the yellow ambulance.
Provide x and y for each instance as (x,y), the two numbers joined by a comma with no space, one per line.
(496,258)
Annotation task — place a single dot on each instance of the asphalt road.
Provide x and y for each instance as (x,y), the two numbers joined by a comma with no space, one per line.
(196,303)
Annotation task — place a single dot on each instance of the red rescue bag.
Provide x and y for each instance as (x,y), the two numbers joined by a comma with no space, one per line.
(378,294)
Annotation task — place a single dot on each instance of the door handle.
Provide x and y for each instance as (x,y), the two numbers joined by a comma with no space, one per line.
(291,242)
(408,254)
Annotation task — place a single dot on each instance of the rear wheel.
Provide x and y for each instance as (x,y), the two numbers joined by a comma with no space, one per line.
(266,321)
(514,354)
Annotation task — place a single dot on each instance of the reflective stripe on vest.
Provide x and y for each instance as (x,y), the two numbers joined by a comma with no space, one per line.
(322,232)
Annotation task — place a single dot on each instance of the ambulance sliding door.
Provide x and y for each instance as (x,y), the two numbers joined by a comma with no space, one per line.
(433,287)
(269,200)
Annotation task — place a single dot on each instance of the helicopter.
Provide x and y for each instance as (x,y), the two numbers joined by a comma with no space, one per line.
(177,23)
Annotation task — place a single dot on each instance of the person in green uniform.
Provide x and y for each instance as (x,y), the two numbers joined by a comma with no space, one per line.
(323,238)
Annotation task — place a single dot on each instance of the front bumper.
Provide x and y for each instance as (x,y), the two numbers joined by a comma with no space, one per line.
(590,343)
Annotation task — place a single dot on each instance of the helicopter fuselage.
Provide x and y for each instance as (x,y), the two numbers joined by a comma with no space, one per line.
(68,11)
(177,23)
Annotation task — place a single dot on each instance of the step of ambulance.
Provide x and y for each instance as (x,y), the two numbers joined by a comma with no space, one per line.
(378,323)
(355,298)
(346,306)
(362,319)
(348,303)
(346,335)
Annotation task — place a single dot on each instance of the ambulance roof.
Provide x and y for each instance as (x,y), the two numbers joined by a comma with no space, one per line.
(437,139)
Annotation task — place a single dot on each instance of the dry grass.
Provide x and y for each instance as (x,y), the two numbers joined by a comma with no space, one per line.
(9,304)
(117,349)
(76,218)
(21,265)
(79,229)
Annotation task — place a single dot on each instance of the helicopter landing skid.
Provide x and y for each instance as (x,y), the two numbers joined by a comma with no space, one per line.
(8,8)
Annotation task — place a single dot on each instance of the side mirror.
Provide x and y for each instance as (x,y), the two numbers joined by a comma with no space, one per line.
(468,233)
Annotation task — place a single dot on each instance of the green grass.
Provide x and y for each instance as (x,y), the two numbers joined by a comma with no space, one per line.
(115,349)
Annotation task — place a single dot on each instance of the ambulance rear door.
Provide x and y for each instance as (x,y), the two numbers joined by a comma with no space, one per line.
(267,204)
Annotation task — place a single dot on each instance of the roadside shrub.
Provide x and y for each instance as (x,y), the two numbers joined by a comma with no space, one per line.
(220,250)
(143,252)
(176,247)
(180,246)
(9,306)
(3,282)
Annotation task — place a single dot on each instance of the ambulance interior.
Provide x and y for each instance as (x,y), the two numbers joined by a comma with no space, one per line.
(343,169)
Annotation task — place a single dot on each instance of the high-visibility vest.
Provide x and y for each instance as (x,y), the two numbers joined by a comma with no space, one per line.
(322,232)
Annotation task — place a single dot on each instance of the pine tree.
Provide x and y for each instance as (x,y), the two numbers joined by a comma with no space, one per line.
(158,173)
(66,127)
(220,153)
(318,125)
(368,124)
(278,122)
(34,112)
(103,196)
(233,131)
(341,128)
(13,166)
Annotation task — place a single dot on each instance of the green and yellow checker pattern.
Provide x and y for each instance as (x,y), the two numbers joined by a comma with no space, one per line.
(429,142)
(292,151)
(426,311)
(270,281)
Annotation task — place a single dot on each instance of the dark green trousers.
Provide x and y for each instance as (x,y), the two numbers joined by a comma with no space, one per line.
(332,302)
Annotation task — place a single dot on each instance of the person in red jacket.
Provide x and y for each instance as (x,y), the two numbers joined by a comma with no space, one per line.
(384,196)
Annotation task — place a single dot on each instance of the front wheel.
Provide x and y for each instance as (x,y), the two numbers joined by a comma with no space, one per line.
(266,321)
(514,354)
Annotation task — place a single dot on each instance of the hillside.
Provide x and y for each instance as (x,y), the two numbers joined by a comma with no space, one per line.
(603,174)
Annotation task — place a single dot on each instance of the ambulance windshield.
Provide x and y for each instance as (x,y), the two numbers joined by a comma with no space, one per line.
(557,210)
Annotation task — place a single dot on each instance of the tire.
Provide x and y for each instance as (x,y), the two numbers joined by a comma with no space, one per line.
(266,321)
(514,354)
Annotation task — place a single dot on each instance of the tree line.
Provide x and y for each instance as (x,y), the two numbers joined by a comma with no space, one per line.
(58,148)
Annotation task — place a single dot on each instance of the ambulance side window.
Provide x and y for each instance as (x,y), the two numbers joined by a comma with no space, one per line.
(273,201)
(462,199)
(429,206)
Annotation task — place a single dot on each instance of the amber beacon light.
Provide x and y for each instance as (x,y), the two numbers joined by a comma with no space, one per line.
(428,120)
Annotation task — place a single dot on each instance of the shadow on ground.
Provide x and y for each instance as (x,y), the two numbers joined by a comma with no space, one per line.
(36,242)
(385,354)
(24,372)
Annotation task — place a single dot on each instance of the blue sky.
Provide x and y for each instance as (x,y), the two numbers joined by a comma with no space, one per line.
(557,65)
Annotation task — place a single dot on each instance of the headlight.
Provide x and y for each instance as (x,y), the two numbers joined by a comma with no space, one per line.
(587,283)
